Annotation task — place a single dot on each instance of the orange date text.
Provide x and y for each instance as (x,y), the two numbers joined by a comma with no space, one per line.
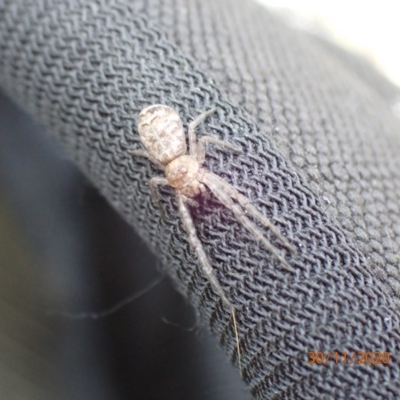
(351,358)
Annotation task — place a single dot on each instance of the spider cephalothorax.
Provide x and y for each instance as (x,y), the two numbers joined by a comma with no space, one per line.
(185,175)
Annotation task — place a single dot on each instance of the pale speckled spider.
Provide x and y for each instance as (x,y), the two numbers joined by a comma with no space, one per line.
(161,131)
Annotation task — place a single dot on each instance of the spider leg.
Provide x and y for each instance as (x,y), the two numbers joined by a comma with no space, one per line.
(198,248)
(206,266)
(153,185)
(192,133)
(146,154)
(224,193)
(245,203)
(201,150)
(189,201)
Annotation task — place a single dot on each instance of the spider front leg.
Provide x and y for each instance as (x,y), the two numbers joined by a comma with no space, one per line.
(153,185)
(224,192)
(250,209)
(206,267)
(198,248)
(245,203)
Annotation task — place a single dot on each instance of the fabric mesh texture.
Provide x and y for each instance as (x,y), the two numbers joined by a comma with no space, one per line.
(319,144)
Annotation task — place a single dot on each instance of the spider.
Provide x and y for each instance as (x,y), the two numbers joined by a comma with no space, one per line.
(161,132)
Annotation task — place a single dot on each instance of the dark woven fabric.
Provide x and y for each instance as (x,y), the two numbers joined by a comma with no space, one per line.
(319,158)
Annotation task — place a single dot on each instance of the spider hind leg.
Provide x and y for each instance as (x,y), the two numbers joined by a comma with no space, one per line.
(201,149)
(191,131)
(146,154)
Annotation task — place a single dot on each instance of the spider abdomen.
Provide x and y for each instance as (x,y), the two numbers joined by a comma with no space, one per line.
(161,132)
